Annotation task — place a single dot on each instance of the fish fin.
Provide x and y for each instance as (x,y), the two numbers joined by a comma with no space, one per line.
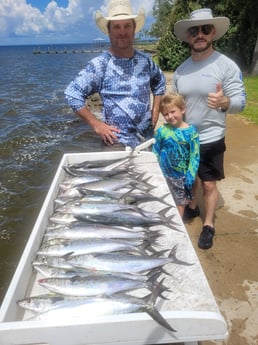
(172,255)
(75,278)
(84,191)
(67,256)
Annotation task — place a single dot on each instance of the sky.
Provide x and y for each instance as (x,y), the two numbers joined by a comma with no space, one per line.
(35,22)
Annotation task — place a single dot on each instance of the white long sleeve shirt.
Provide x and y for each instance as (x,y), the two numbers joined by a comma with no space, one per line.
(196,79)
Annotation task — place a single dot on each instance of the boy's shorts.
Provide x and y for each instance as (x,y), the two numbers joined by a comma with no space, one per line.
(177,189)
(211,166)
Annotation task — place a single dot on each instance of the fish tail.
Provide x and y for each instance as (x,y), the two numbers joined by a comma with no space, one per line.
(173,256)
(168,220)
(125,198)
(156,315)
(163,212)
(152,282)
(70,171)
(164,202)
(162,270)
(153,311)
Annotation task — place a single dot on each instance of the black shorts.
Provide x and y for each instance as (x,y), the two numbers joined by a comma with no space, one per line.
(211,166)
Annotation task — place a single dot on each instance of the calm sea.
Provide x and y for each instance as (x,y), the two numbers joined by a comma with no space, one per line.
(36,128)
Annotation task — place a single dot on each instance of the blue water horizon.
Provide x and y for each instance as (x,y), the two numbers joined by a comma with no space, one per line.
(36,128)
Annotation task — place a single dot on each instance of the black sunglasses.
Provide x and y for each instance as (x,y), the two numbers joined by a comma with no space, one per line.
(205,29)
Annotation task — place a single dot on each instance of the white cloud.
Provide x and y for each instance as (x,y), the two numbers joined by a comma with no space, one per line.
(75,22)
(136,5)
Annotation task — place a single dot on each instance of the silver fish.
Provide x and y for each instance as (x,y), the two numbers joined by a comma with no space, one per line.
(108,168)
(53,272)
(50,272)
(102,172)
(82,231)
(46,302)
(86,246)
(52,261)
(123,262)
(77,208)
(94,285)
(92,308)
(76,181)
(109,184)
(98,163)
(62,218)
(129,197)
(127,217)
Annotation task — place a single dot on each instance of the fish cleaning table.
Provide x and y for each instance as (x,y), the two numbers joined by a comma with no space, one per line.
(190,309)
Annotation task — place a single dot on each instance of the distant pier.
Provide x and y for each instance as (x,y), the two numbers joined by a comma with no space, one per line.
(98,46)
(65,51)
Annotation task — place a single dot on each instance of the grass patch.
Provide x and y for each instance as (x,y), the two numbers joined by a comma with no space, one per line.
(251,109)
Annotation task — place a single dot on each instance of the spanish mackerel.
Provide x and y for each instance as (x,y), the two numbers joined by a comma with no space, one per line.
(94,285)
(128,217)
(124,262)
(93,308)
(82,231)
(86,246)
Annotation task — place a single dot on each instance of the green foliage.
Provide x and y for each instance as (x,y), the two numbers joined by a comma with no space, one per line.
(171,52)
(238,43)
(161,12)
(251,108)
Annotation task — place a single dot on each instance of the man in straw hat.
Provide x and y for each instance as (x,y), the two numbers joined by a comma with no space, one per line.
(124,78)
(212,86)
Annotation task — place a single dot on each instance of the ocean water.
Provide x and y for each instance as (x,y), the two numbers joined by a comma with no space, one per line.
(36,128)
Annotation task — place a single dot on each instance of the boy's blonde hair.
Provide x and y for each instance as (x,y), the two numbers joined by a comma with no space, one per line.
(172,99)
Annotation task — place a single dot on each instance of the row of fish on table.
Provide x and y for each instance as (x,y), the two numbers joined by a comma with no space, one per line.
(99,254)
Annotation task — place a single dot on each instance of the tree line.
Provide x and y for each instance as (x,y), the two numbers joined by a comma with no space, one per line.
(240,42)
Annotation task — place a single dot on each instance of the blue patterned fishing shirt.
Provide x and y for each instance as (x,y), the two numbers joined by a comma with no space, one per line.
(124,85)
(178,152)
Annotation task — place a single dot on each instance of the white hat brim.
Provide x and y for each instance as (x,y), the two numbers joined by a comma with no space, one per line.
(221,25)
(102,21)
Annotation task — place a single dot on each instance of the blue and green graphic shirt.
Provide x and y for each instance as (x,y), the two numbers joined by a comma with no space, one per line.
(178,152)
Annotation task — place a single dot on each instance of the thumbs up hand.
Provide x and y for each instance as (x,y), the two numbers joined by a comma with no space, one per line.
(217,100)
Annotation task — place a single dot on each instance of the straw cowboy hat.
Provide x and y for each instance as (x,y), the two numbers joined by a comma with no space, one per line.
(199,17)
(119,10)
